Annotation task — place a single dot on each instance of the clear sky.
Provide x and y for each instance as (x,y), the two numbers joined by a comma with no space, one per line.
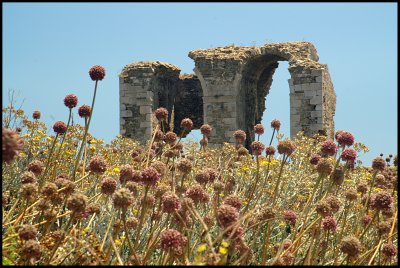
(48,49)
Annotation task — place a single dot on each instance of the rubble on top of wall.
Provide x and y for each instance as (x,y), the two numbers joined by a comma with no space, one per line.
(155,66)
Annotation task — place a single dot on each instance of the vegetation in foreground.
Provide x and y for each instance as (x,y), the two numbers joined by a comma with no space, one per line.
(70,199)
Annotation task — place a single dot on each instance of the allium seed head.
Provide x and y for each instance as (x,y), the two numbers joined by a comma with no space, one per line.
(97,164)
(378,164)
(257,147)
(28,177)
(349,154)
(36,115)
(77,203)
(170,202)
(173,241)
(206,130)
(59,127)
(197,194)
(389,250)
(351,246)
(314,159)
(187,124)
(84,110)
(11,144)
(290,217)
(108,186)
(150,176)
(276,124)
(240,136)
(184,166)
(329,224)
(259,129)
(328,147)
(161,114)
(324,167)
(97,72)
(36,166)
(270,150)
(170,138)
(344,138)
(286,147)
(71,101)
(381,200)
(30,249)
(27,232)
(226,215)
(234,201)
(122,198)
(125,173)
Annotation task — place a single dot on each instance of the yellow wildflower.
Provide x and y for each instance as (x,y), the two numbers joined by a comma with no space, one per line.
(201,248)
(117,242)
(223,250)
(224,244)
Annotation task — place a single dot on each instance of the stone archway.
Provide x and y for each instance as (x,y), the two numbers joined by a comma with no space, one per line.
(236,80)
(228,91)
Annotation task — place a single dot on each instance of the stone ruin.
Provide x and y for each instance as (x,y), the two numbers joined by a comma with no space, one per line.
(228,91)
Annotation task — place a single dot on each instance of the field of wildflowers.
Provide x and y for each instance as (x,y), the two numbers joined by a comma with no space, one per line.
(71,199)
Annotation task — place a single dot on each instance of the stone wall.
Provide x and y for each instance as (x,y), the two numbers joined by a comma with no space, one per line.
(228,91)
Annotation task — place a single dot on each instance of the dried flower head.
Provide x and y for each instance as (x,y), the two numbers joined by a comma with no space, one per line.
(28,177)
(351,246)
(97,164)
(328,147)
(286,147)
(234,201)
(187,124)
(36,166)
(384,227)
(389,250)
(170,202)
(270,150)
(349,154)
(36,115)
(323,208)
(84,110)
(170,138)
(71,101)
(11,144)
(184,166)
(150,176)
(329,224)
(132,186)
(30,249)
(366,219)
(49,189)
(324,167)
(240,136)
(161,114)
(226,215)
(290,217)
(213,174)
(149,201)
(259,129)
(206,130)
(257,147)
(77,203)
(202,176)
(276,124)
(351,194)
(242,151)
(378,164)
(197,194)
(97,72)
(125,173)
(108,186)
(60,127)
(27,232)
(122,198)
(344,138)
(160,167)
(334,203)
(29,191)
(381,200)
(172,241)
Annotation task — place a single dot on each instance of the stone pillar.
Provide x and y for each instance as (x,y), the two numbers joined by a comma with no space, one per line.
(145,86)
(220,80)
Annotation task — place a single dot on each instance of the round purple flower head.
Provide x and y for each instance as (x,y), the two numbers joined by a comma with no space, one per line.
(161,114)
(150,176)
(344,138)
(240,136)
(59,127)
(71,101)
(349,154)
(206,130)
(84,110)
(328,147)
(257,147)
(97,72)
(36,115)
(259,129)
(276,124)
(270,150)
(11,143)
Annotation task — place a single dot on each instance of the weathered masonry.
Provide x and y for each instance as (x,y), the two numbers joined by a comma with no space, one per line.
(228,91)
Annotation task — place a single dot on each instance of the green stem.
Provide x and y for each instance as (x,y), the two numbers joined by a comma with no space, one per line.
(48,160)
(86,131)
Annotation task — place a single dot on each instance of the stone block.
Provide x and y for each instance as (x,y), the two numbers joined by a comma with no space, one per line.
(145,124)
(318,79)
(316,100)
(126,113)
(316,113)
(229,121)
(310,93)
(145,110)
(318,107)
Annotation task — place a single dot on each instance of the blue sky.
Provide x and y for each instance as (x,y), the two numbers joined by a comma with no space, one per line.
(48,49)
